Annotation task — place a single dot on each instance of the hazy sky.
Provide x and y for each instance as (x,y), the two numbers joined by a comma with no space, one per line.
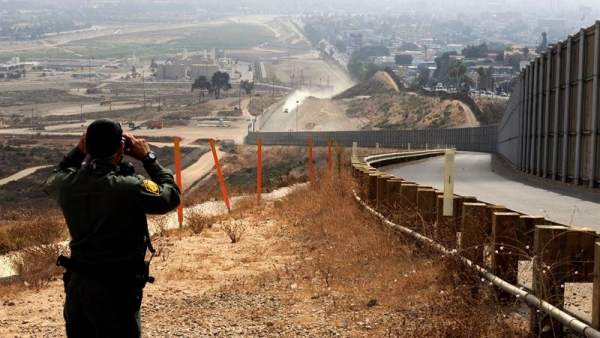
(571,9)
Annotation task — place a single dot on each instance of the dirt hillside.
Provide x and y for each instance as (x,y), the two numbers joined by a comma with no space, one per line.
(405,110)
(379,103)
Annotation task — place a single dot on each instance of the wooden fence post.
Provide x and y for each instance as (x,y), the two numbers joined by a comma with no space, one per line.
(372,187)
(505,255)
(449,226)
(393,191)
(408,193)
(526,231)
(426,204)
(473,234)
(380,191)
(548,274)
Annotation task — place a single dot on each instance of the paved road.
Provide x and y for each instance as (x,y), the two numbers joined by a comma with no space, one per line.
(284,116)
(474,177)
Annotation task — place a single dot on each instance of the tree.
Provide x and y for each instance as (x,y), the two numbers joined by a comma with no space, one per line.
(368,52)
(202,83)
(500,56)
(409,46)
(403,60)
(472,52)
(423,77)
(442,67)
(514,61)
(362,71)
(247,86)
(220,81)
(457,74)
(486,78)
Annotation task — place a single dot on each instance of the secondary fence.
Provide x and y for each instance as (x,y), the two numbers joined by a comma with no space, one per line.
(551,126)
(482,139)
(492,240)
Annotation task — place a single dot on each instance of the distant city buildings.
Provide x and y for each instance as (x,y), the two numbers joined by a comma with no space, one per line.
(191,66)
(188,67)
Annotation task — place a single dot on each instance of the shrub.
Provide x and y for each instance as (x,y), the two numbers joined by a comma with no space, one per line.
(197,221)
(36,265)
(235,229)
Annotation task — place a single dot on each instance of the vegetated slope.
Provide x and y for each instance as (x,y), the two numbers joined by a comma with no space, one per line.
(491,110)
(406,110)
(380,104)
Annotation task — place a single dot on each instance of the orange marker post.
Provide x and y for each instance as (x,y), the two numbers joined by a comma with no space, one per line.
(311,174)
(220,174)
(329,158)
(178,179)
(258,169)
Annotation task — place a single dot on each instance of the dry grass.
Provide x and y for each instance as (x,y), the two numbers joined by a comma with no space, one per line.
(32,229)
(364,266)
(282,166)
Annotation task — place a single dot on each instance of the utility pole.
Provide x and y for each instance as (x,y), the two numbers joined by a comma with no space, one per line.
(81,113)
(297,109)
(240,98)
(144,90)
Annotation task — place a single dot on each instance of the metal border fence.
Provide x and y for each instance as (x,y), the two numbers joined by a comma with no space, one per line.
(481,139)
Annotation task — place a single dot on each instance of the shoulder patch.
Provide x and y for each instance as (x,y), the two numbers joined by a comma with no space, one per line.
(151,187)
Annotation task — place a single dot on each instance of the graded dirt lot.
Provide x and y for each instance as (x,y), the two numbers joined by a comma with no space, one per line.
(309,69)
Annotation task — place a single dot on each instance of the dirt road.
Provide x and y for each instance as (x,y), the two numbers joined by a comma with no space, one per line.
(21,174)
(189,134)
(199,169)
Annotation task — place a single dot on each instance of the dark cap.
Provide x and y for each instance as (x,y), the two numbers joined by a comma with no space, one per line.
(103,138)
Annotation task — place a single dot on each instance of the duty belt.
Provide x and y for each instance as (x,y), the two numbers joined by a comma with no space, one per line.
(135,272)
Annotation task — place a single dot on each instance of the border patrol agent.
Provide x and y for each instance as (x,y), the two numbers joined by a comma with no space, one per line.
(105,209)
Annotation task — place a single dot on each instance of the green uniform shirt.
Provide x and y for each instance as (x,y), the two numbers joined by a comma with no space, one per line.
(105,212)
